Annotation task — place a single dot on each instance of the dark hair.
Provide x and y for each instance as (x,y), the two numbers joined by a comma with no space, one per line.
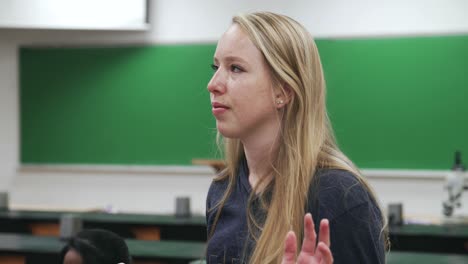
(97,246)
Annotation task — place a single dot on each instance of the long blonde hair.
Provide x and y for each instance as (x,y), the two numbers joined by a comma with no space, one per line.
(306,137)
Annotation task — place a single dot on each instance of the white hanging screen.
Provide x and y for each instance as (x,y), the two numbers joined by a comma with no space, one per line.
(74,14)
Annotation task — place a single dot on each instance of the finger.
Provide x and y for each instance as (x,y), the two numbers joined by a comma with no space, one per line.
(324,235)
(324,252)
(310,237)
(290,248)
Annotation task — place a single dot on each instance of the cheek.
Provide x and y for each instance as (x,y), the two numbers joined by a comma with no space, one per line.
(255,111)
(251,98)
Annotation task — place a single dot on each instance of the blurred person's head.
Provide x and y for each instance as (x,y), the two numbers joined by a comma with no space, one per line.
(95,246)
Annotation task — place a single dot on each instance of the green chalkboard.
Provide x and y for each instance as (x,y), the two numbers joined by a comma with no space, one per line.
(399,103)
(126,105)
(394,102)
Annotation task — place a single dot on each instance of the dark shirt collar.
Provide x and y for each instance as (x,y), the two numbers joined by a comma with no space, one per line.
(244,175)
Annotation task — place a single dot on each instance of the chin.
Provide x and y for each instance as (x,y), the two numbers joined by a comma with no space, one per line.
(226,132)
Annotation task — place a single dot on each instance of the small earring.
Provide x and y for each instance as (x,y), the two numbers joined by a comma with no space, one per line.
(279,101)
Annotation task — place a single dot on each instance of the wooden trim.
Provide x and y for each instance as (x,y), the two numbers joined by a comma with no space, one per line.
(218,165)
(12,259)
(146,232)
(90,169)
(44,229)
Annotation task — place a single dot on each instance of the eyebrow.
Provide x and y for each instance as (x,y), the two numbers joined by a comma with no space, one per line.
(231,59)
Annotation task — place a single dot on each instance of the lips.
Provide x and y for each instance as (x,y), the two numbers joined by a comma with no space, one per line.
(218,108)
(219,105)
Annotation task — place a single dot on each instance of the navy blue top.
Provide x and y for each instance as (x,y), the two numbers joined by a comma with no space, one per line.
(355,220)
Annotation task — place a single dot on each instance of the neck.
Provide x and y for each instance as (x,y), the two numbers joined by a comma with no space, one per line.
(258,153)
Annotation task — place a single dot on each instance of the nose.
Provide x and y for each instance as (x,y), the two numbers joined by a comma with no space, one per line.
(217,84)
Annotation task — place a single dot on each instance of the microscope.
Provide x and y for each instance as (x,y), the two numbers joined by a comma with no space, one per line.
(455,183)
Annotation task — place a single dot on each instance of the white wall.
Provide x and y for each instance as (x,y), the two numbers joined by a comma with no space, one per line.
(182,21)
(114,188)
(9,130)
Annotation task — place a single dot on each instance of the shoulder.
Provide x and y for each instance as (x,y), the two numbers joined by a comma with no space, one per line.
(330,177)
(333,183)
(355,218)
(335,192)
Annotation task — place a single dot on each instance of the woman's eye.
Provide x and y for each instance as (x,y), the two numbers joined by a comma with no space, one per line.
(235,68)
(214,67)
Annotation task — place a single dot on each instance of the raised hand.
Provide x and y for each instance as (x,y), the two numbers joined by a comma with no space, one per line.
(311,253)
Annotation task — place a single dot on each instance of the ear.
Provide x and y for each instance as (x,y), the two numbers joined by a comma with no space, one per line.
(283,96)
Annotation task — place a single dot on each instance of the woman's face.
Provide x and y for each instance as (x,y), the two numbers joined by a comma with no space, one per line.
(241,89)
(72,257)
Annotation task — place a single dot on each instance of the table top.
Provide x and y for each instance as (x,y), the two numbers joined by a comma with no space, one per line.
(30,244)
(21,243)
(396,257)
(410,258)
(125,218)
(188,250)
(447,230)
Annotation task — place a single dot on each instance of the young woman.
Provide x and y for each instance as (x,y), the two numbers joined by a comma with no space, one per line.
(268,98)
(95,246)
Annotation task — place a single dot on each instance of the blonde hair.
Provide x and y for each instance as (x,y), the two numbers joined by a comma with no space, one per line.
(306,137)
